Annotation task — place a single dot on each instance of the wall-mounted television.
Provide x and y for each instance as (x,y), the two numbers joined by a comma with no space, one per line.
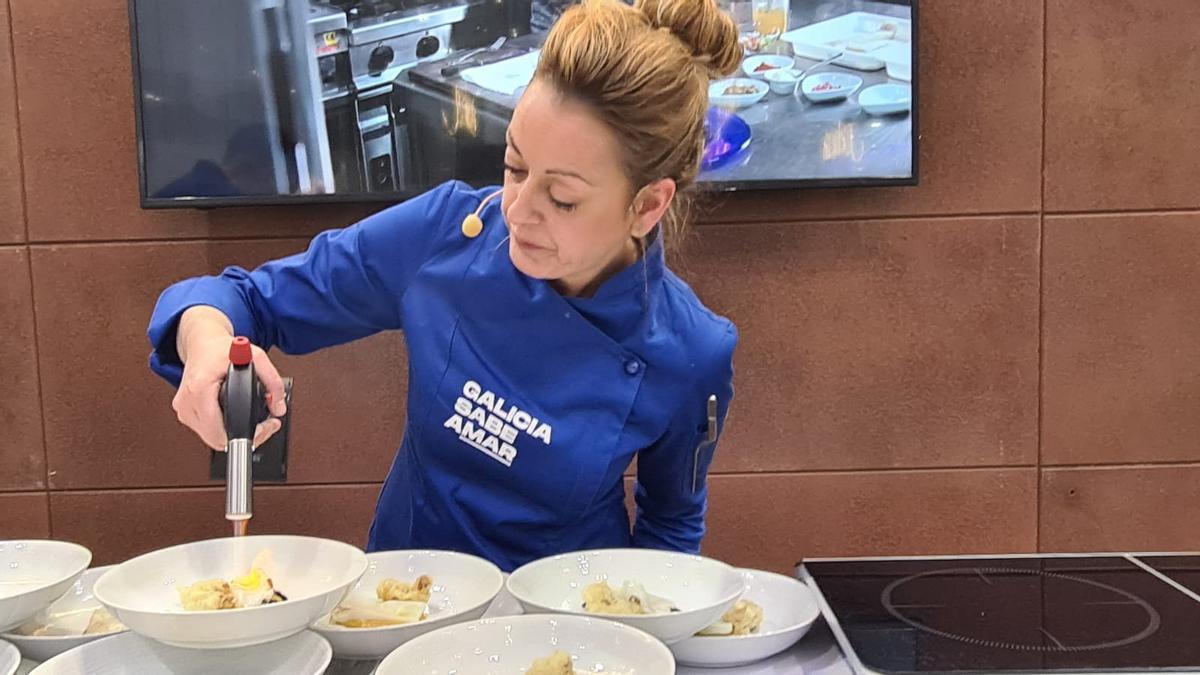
(269,101)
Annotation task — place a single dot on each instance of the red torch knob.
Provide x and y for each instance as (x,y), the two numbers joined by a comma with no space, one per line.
(240,353)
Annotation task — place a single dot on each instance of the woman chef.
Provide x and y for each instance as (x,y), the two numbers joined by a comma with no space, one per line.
(548,343)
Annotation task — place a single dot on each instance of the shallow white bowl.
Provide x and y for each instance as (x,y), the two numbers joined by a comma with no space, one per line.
(789,610)
(508,646)
(844,85)
(782,81)
(718,97)
(79,598)
(702,588)
(886,99)
(777,60)
(312,573)
(463,588)
(10,658)
(130,654)
(35,573)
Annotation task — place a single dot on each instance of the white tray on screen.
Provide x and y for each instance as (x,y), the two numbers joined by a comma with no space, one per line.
(823,39)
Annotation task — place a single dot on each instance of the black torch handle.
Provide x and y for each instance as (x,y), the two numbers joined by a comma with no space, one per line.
(243,402)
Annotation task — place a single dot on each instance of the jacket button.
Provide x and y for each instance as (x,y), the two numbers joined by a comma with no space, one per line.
(632,366)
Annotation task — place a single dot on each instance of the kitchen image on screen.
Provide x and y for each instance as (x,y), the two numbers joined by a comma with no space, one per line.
(261,101)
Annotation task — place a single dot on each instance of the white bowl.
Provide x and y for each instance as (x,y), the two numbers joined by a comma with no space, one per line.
(130,654)
(35,573)
(789,610)
(718,97)
(504,605)
(843,85)
(508,646)
(782,81)
(79,600)
(10,659)
(886,99)
(312,573)
(899,71)
(463,588)
(776,61)
(702,588)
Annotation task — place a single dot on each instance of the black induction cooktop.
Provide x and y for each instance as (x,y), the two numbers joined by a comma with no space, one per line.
(1111,613)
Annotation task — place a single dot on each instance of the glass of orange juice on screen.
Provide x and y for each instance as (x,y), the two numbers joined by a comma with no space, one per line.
(770,17)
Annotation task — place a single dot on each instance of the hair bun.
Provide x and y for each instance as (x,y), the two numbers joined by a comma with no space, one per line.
(704,28)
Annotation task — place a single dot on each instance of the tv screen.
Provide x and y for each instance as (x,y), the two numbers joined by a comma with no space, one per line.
(268,101)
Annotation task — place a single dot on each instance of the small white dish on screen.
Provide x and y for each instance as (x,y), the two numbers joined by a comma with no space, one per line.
(886,99)
(314,574)
(783,81)
(789,610)
(737,92)
(759,65)
(35,573)
(464,586)
(74,619)
(702,589)
(510,645)
(900,71)
(304,653)
(823,87)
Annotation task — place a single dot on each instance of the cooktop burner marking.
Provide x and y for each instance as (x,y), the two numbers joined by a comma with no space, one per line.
(1152,616)
(1060,645)
(1164,578)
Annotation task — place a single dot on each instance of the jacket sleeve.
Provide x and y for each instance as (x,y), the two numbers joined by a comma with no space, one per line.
(348,284)
(672,491)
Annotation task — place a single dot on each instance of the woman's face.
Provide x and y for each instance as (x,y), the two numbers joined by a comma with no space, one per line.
(572,213)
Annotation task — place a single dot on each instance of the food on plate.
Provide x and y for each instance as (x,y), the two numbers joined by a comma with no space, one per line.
(764,67)
(249,590)
(754,42)
(392,589)
(600,598)
(744,618)
(825,86)
(863,46)
(354,613)
(252,589)
(102,622)
(871,40)
(207,594)
(739,90)
(89,621)
(558,663)
(395,603)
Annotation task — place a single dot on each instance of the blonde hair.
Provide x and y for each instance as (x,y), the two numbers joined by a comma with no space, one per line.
(644,71)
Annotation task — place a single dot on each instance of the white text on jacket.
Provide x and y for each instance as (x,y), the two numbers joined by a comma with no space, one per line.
(482,421)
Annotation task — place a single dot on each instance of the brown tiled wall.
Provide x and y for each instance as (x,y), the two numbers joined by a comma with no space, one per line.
(1005,358)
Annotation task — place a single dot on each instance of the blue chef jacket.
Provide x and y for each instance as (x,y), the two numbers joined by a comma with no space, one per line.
(524,407)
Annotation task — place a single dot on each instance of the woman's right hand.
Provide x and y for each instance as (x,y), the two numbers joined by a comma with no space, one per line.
(203,341)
